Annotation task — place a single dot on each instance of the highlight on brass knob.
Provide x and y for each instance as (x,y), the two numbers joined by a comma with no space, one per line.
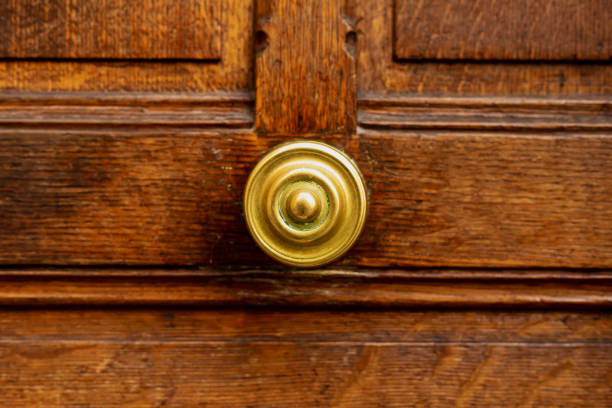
(305,203)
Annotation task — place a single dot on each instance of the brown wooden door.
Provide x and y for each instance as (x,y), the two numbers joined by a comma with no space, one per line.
(482,278)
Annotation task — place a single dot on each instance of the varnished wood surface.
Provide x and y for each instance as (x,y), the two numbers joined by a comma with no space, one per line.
(121,185)
(380,73)
(114,29)
(437,198)
(498,30)
(112,358)
(230,70)
(305,66)
(318,288)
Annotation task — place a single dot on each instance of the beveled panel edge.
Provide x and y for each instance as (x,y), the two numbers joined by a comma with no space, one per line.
(314,288)
(379,72)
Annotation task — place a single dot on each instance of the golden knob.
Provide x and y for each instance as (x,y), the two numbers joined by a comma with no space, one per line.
(305,203)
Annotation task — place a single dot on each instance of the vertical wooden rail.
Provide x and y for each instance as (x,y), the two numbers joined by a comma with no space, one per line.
(305,67)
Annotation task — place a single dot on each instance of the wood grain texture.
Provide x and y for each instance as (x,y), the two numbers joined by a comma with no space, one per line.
(160,197)
(86,196)
(571,30)
(305,66)
(289,359)
(380,74)
(115,29)
(231,70)
(327,288)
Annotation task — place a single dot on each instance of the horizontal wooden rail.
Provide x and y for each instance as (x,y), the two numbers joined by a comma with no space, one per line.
(330,288)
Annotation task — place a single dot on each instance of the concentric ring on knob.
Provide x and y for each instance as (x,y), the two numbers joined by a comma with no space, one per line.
(305,203)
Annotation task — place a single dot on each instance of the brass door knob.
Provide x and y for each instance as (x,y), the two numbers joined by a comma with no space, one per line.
(305,203)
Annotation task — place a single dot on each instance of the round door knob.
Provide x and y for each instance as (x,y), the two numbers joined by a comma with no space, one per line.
(305,203)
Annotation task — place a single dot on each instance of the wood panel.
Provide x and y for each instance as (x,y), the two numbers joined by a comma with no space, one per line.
(230,70)
(380,73)
(497,30)
(120,196)
(115,29)
(173,197)
(260,359)
(487,199)
(305,66)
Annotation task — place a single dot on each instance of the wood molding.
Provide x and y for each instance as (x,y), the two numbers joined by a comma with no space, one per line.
(484,113)
(123,98)
(335,288)
(48,110)
(281,272)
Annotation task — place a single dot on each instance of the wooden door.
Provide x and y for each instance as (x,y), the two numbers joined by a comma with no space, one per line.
(483,275)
